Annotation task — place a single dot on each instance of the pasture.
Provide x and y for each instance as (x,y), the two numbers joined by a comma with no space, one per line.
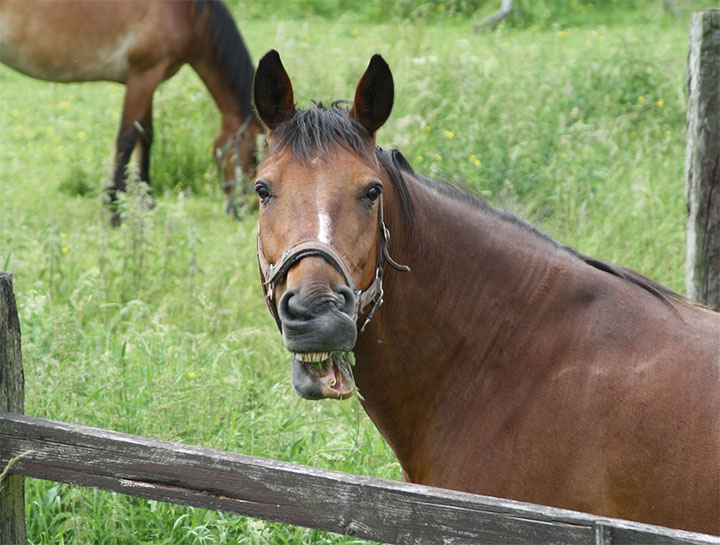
(158,328)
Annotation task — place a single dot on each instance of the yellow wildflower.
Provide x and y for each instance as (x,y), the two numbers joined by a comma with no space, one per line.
(660,103)
(448,134)
(65,250)
(191,374)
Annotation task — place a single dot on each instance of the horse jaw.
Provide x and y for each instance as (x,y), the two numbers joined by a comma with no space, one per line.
(322,376)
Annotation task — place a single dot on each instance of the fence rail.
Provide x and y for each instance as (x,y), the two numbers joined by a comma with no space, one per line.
(365,507)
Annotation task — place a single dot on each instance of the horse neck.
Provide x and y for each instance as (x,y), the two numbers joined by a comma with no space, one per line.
(473,272)
(223,62)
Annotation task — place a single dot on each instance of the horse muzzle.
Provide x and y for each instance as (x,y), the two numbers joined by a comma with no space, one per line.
(318,328)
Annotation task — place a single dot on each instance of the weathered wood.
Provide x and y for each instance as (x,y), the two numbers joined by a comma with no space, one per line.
(702,160)
(365,507)
(12,487)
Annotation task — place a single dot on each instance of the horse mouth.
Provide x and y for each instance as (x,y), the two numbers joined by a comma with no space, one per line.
(321,375)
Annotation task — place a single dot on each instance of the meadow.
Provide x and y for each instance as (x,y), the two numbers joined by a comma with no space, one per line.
(573,118)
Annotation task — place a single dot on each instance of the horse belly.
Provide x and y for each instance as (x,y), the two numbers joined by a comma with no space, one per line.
(68,41)
(76,68)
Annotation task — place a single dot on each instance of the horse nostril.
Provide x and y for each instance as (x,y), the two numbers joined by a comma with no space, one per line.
(290,306)
(346,299)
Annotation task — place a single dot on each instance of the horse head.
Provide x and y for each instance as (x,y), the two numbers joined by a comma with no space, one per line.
(321,235)
(236,154)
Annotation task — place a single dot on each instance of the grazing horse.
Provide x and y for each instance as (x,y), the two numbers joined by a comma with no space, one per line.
(141,44)
(501,362)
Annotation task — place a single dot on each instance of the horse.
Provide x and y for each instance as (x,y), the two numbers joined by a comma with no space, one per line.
(491,358)
(141,44)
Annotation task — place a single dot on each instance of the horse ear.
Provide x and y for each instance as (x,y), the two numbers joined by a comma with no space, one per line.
(374,96)
(272,91)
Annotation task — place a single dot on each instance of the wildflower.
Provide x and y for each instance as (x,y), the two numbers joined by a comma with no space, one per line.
(80,134)
(660,103)
(65,250)
(448,134)
(640,99)
(477,162)
(63,105)
(191,374)
(420,158)
(206,176)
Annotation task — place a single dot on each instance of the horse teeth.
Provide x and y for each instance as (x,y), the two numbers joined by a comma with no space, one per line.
(312,357)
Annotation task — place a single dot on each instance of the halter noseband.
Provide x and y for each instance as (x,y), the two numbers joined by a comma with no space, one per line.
(233,144)
(371,296)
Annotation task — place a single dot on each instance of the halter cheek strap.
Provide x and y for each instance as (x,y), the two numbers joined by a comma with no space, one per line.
(371,296)
(233,144)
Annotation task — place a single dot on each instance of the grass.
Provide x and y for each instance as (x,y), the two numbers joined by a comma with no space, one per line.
(159,328)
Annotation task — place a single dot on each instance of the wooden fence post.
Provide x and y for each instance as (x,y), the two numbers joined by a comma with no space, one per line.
(702,160)
(12,487)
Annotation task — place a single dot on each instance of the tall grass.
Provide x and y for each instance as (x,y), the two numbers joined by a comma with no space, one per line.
(573,118)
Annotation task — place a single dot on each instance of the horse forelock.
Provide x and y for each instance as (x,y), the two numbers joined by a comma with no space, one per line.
(317,131)
(230,51)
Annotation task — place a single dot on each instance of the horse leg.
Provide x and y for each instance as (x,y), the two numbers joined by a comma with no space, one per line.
(144,127)
(135,129)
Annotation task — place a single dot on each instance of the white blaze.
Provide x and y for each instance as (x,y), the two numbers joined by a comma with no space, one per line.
(324,227)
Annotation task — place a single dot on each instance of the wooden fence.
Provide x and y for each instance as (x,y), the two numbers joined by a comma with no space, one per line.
(702,161)
(376,509)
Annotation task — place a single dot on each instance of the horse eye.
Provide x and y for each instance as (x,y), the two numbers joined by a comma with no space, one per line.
(373,193)
(263,191)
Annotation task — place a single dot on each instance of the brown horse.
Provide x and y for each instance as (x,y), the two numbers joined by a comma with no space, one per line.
(141,44)
(502,363)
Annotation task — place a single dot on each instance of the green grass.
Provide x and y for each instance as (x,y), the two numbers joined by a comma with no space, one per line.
(573,119)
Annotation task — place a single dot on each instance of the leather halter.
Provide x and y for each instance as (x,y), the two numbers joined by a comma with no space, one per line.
(371,296)
(233,143)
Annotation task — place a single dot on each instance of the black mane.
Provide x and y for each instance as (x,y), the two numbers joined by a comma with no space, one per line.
(316,131)
(230,51)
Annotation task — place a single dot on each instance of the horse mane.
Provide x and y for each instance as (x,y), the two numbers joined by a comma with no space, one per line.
(230,51)
(316,130)
(467,195)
